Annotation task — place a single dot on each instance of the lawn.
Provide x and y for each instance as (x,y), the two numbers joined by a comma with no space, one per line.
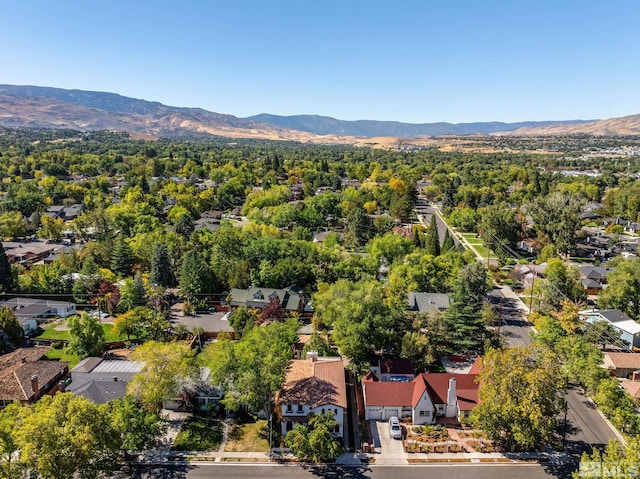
(248,437)
(199,433)
(64,356)
(50,332)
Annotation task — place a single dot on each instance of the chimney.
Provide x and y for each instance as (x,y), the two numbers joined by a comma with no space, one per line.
(115,378)
(61,386)
(34,384)
(313,355)
(452,396)
(636,376)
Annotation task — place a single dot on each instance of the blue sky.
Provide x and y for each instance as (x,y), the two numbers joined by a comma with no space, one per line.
(413,61)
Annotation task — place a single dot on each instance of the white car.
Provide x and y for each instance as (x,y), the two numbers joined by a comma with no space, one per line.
(394,428)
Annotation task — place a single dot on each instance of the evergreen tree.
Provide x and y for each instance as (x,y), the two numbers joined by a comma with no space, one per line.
(161,272)
(466,331)
(195,275)
(184,225)
(447,243)
(121,257)
(432,240)
(6,276)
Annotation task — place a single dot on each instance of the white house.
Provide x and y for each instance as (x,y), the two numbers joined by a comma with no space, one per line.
(313,385)
(428,397)
(30,312)
(628,328)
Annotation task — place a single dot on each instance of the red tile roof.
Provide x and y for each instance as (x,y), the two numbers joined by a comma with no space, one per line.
(388,393)
(315,383)
(437,384)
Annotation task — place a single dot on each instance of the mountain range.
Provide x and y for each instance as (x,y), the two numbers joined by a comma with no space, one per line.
(45,107)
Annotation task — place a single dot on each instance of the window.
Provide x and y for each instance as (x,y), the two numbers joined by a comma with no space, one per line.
(425,413)
(300,408)
(322,410)
(289,408)
(336,411)
(337,428)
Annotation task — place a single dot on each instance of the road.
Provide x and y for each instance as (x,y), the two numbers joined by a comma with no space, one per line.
(586,428)
(458,471)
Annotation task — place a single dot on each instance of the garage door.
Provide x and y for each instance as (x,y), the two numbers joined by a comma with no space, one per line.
(390,412)
(374,414)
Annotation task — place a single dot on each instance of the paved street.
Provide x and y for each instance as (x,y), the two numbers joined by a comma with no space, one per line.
(337,472)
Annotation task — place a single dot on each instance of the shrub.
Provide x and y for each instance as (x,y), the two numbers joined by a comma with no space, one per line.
(57,345)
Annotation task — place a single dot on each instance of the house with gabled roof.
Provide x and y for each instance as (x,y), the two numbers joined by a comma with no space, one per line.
(291,299)
(25,378)
(428,398)
(313,385)
(427,302)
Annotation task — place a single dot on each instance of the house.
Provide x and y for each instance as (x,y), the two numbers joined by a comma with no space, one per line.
(623,365)
(530,245)
(406,231)
(314,385)
(632,228)
(526,273)
(25,378)
(101,380)
(291,299)
(593,278)
(31,312)
(321,237)
(212,324)
(428,302)
(628,328)
(393,370)
(428,398)
(203,393)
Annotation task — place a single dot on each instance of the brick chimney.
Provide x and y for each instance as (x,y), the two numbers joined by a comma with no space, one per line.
(34,384)
(312,355)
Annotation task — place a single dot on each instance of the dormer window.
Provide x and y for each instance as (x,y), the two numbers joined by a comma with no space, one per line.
(258,295)
(300,408)
(289,408)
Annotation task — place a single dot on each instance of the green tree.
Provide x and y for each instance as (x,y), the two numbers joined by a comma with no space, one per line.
(623,288)
(166,366)
(184,225)
(558,217)
(195,275)
(447,243)
(499,229)
(10,325)
(465,328)
(121,257)
(51,228)
(359,227)
(68,437)
(252,369)
(623,460)
(86,335)
(242,320)
(318,344)
(132,293)
(519,396)
(139,429)
(363,325)
(161,271)
(432,240)
(11,418)
(13,225)
(6,275)
(312,441)
(562,284)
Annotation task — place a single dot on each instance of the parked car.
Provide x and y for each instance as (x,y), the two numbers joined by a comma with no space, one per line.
(394,428)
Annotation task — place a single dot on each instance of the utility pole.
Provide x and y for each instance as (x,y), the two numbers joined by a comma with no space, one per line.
(533,283)
(270,428)
(500,315)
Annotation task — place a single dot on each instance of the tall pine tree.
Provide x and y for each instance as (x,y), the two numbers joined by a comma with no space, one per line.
(161,272)
(465,329)
(432,240)
(447,243)
(121,257)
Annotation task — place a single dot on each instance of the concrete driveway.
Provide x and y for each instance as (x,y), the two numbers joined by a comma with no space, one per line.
(388,450)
